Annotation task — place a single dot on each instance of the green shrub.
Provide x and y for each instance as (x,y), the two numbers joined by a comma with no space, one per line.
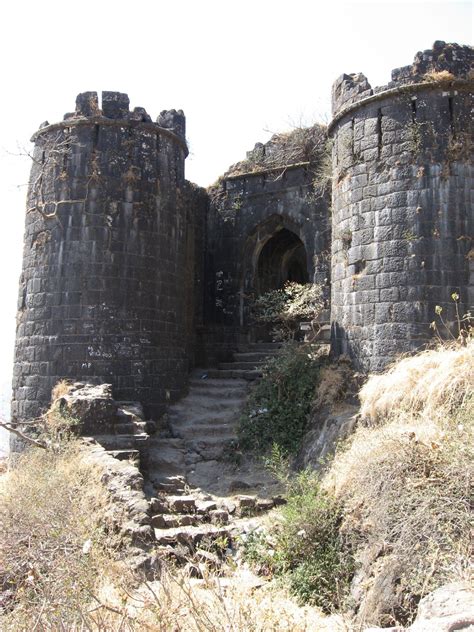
(277,409)
(311,548)
(285,308)
(306,547)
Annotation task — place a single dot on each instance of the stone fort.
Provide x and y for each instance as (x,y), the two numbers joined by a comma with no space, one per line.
(133,276)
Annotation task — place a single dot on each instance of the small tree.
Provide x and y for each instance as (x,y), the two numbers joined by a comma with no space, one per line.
(285,308)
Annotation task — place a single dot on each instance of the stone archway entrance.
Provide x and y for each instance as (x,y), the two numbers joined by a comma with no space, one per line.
(274,253)
(282,258)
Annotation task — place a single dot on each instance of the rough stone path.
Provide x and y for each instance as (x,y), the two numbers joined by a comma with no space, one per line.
(201,487)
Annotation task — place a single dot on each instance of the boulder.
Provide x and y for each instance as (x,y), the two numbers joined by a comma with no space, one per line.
(446,609)
(93,407)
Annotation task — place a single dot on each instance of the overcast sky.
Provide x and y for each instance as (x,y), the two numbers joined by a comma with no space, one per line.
(239,70)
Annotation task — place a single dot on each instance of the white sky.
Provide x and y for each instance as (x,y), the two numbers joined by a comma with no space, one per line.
(237,69)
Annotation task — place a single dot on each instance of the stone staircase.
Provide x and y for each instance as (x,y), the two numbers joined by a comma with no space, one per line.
(202,488)
(127,439)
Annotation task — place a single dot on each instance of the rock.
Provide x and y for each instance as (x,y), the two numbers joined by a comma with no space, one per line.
(205,506)
(236,485)
(158,521)
(171,521)
(446,609)
(264,504)
(219,516)
(246,503)
(208,558)
(169,484)
(278,501)
(230,506)
(182,504)
(158,505)
(93,407)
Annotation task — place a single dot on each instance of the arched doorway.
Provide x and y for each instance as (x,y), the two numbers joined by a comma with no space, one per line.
(282,258)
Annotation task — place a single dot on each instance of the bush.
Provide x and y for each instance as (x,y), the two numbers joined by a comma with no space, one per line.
(305,547)
(278,407)
(285,308)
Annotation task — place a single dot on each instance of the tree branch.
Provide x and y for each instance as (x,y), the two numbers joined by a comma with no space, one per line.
(22,435)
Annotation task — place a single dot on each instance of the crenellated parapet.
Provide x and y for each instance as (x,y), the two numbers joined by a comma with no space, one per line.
(402,220)
(448,65)
(105,254)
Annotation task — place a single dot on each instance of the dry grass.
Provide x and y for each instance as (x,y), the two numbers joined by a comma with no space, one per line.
(59,566)
(63,387)
(54,548)
(440,76)
(435,382)
(221,605)
(334,382)
(406,481)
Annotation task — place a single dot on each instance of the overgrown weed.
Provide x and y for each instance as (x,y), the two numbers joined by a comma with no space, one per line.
(278,407)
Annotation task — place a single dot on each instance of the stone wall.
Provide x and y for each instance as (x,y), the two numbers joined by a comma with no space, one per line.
(109,259)
(402,204)
(246,211)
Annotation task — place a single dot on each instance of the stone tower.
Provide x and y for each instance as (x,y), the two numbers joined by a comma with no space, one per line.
(102,291)
(402,204)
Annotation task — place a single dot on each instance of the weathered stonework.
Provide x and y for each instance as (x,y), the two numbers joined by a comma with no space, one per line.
(106,260)
(402,204)
(250,212)
(131,275)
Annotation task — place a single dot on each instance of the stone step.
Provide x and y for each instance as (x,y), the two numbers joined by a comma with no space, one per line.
(164,443)
(171,485)
(223,431)
(125,455)
(172,521)
(181,504)
(134,408)
(180,418)
(191,536)
(259,346)
(208,389)
(212,448)
(237,373)
(203,402)
(126,427)
(165,458)
(218,384)
(246,366)
(256,356)
(122,441)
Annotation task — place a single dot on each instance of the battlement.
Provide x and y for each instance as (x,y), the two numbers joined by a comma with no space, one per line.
(443,64)
(115,110)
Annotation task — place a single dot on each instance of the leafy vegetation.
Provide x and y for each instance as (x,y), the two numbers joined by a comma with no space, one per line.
(278,406)
(305,547)
(285,308)
(390,519)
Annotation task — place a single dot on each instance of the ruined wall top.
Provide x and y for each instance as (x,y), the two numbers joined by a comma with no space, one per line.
(442,64)
(116,110)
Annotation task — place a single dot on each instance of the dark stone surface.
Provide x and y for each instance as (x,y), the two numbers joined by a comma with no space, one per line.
(247,211)
(402,213)
(131,275)
(109,252)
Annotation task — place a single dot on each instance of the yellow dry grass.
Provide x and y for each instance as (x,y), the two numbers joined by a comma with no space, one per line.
(405,477)
(434,381)
(216,604)
(440,76)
